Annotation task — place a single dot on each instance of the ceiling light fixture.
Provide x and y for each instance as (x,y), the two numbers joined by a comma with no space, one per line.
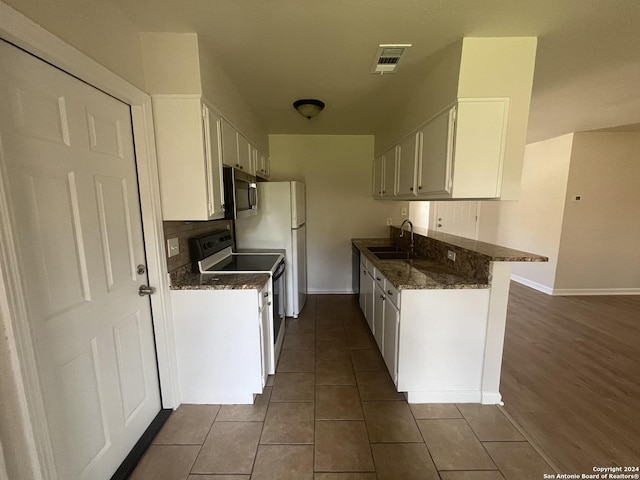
(308,107)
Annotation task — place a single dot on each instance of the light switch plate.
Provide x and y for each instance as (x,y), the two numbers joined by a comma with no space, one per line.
(173,246)
(389,221)
(403,211)
(451,255)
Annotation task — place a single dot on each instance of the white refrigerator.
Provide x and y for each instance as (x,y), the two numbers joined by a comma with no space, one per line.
(280,223)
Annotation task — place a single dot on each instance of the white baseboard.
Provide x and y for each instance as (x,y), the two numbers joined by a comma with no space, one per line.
(532,284)
(457,396)
(595,291)
(311,291)
(565,292)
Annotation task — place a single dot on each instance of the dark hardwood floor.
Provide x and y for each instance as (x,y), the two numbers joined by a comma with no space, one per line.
(571,376)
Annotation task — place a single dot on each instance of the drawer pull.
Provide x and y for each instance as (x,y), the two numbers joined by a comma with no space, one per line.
(266,294)
(378,278)
(382,297)
(389,292)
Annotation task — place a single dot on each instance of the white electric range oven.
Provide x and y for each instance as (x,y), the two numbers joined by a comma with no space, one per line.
(213,254)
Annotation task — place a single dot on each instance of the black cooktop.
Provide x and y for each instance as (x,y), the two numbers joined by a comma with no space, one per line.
(245,263)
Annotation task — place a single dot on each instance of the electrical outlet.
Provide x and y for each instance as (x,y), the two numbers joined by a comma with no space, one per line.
(577,198)
(389,221)
(403,211)
(451,255)
(173,245)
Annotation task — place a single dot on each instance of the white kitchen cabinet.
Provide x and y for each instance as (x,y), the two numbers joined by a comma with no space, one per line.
(367,289)
(433,341)
(265,337)
(378,176)
(220,344)
(230,145)
(458,154)
(407,151)
(436,154)
(384,174)
(378,316)
(263,165)
(245,156)
(391,327)
(188,144)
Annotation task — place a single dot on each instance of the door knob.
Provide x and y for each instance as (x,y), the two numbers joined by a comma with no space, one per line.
(146,290)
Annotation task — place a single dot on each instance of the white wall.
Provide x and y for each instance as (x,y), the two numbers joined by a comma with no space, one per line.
(97,28)
(171,63)
(337,171)
(221,91)
(600,245)
(533,223)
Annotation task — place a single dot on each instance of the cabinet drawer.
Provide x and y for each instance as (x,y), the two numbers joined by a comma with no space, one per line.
(264,296)
(392,293)
(379,278)
(366,263)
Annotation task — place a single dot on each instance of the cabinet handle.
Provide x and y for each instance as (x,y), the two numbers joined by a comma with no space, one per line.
(266,294)
(382,297)
(411,189)
(269,303)
(379,279)
(389,292)
(384,191)
(419,187)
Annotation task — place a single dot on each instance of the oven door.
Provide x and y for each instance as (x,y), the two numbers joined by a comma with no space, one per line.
(278,304)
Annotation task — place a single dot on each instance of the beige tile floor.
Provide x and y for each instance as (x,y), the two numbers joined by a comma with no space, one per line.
(331,413)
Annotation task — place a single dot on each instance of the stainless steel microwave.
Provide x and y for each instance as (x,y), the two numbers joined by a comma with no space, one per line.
(240,194)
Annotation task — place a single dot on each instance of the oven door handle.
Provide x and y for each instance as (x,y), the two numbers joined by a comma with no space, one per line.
(279,271)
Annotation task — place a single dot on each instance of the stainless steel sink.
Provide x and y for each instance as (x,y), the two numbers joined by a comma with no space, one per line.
(384,248)
(399,255)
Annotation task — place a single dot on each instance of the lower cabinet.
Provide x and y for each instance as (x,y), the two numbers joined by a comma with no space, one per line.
(432,341)
(265,336)
(391,329)
(378,316)
(367,290)
(223,343)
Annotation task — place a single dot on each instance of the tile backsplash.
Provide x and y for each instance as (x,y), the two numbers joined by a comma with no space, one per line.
(186,230)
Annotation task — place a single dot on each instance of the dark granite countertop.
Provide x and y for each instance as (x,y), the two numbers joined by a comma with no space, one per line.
(418,273)
(494,253)
(184,279)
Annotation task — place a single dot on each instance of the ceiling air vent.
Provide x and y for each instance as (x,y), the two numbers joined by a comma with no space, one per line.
(388,57)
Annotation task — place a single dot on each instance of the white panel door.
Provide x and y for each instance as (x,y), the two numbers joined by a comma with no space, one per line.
(67,152)
(457,218)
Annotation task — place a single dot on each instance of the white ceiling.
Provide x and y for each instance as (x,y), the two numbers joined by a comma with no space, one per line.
(587,69)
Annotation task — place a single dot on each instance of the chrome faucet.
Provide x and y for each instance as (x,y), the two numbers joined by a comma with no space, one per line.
(411,231)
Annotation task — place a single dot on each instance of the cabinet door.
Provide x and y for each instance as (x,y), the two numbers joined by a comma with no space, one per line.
(378,316)
(369,299)
(362,295)
(480,141)
(391,329)
(435,154)
(406,166)
(229,145)
(262,164)
(265,340)
(389,172)
(213,147)
(244,154)
(378,177)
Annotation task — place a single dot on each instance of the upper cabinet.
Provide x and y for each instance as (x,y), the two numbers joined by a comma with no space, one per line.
(188,143)
(384,175)
(467,125)
(238,152)
(406,157)
(262,164)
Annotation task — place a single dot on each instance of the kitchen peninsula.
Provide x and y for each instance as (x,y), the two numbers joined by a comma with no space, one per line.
(439,316)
